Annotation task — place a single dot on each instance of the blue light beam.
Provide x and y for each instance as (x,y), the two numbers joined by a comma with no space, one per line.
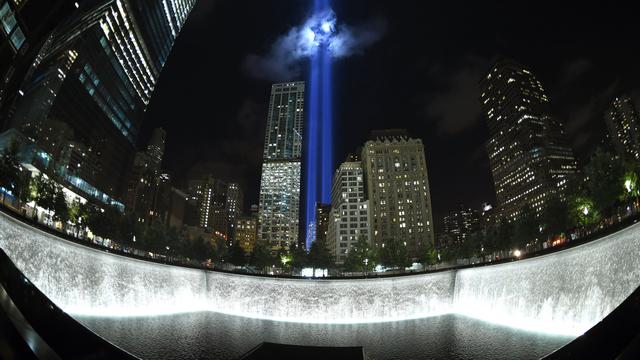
(319,149)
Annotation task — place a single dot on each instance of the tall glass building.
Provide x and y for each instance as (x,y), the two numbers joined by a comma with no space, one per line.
(90,85)
(349,219)
(529,157)
(281,171)
(623,122)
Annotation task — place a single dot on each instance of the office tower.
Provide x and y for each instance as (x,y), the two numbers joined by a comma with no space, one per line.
(146,183)
(155,148)
(211,195)
(461,223)
(234,205)
(528,154)
(322,221)
(96,73)
(25,25)
(246,232)
(349,219)
(174,215)
(398,190)
(280,181)
(623,122)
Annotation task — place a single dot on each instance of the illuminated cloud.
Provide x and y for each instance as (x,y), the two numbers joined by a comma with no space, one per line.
(283,60)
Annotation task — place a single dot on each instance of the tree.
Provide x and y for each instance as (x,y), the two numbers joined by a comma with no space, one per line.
(361,257)
(427,254)
(236,255)
(604,176)
(527,228)
(555,218)
(104,222)
(220,248)
(299,257)
(319,255)
(583,211)
(393,253)
(200,249)
(10,170)
(471,245)
(261,256)
(45,192)
(60,207)
(504,235)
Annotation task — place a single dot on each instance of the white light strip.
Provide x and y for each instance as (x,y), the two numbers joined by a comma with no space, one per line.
(562,293)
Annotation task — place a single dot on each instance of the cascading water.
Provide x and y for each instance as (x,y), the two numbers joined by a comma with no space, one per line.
(565,292)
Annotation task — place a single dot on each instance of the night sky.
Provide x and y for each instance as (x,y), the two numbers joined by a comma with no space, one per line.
(421,74)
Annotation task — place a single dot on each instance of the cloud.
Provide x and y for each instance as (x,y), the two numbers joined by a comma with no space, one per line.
(581,114)
(283,60)
(574,70)
(456,107)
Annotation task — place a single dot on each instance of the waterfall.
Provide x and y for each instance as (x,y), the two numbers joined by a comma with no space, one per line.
(565,292)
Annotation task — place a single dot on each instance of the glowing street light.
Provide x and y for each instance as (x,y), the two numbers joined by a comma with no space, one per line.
(585,210)
(517,253)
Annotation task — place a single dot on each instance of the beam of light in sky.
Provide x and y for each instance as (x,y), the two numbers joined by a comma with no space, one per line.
(319,150)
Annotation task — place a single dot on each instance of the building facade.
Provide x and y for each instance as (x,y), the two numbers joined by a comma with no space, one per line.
(246,232)
(397,185)
(461,223)
(281,170)
(529,157)
(95,73)
(147,185)
(234,205)
(322,221)
(25,25)
(349,219)
(623,122)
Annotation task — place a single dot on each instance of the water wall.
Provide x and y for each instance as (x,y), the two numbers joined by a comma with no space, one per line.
(565,292)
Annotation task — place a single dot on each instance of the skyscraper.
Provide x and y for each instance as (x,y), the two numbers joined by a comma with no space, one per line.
(322,221)
(25,25)
(246,232)
(234,205)
(96,73)
(528,154)
(349,220)
(281,169)
(398,190)
(155,148)
(145,178)
(211,195)
(459,224)
(623,122)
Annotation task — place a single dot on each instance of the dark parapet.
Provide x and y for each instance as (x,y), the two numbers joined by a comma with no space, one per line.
(34,327)
(268,350)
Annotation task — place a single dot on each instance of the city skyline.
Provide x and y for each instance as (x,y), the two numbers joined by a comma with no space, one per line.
(436,92)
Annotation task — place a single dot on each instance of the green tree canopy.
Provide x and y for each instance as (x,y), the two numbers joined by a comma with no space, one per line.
(394,253)
(361,257)
(60,207)
(261,256)
(604,178)
(236,255)
(319,256)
